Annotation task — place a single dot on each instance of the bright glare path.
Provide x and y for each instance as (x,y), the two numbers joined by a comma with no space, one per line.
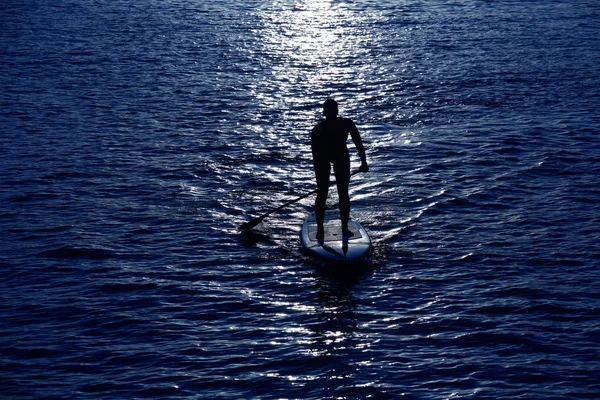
(309,45)
(300,53)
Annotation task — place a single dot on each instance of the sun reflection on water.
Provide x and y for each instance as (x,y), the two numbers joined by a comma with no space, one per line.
(301,53)
(309,47)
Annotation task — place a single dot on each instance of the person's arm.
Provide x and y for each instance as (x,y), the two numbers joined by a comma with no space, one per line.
(357,140)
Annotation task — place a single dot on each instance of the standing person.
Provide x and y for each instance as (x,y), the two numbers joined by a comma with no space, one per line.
(328,144)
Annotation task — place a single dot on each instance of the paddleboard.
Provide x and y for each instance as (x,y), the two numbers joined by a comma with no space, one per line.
(334,247)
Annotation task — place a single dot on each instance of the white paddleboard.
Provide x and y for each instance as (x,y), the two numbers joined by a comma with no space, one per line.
(333,246)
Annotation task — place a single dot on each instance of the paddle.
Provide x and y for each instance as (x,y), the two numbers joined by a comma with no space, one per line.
(253,222)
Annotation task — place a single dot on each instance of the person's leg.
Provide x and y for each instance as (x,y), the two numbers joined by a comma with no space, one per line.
(322,172)
(342,177)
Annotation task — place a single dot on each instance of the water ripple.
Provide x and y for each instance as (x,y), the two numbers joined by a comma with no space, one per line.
(136,139)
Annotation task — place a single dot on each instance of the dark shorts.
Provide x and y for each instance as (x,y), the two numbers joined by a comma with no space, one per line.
(341,169)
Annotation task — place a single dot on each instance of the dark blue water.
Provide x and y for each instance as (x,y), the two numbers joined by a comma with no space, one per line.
(138,135)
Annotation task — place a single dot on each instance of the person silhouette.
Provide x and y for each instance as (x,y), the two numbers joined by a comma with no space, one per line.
(328,144)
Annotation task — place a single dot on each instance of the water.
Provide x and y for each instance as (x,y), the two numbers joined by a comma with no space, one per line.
(137,136)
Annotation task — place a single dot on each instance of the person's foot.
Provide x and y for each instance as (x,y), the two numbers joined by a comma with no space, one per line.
(320,233)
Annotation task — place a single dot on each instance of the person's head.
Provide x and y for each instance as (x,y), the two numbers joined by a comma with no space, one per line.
(330,108)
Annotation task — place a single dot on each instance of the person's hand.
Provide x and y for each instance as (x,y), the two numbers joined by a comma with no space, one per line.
(363,167)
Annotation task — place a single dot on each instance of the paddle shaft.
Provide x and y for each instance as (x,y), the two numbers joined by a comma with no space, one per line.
(252,223)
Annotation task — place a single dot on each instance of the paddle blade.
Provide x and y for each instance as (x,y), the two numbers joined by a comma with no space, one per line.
(246,226)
